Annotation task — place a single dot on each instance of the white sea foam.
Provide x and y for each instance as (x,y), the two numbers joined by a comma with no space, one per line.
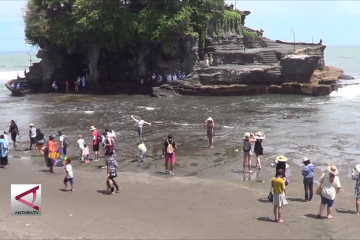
(147,108)
(228,127)
(89,112)
(347,92)
(11,75)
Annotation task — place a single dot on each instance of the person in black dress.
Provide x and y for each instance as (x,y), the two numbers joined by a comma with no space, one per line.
(258,149)
(14,131)
(40,141)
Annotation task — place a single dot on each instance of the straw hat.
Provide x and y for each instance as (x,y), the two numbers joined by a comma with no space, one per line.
(305,159)
(260,135)
(281,159)
(332,169)
(357,167)
(31,125)
(92,128)
(209,119)
(247,135)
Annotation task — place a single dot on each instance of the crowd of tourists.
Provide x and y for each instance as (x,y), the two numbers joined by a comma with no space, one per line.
(329,181)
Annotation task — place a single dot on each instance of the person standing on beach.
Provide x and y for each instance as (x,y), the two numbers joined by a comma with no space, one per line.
(210,125)
(169,154)
(69,175)
(142,148)
(330,186)
(14,131)
(356,177)
(111,134)
(40,141)
(96,141)
(279,200)
(50,149)
(111,170)
(247,140)
(63,142)
(32,135)
(3,152)
(80,143)
(308,174)
(6,137)
(258,149)
(140,122)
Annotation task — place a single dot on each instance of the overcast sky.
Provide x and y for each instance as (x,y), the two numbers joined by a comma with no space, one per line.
(334,21)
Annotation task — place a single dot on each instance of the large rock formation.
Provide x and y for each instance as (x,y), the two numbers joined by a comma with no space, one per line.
(241,60)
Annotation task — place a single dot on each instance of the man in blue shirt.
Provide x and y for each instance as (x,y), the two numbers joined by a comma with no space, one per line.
(3,152)
(308,174)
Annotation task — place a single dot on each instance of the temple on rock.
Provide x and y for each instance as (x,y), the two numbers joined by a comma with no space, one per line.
(215,54)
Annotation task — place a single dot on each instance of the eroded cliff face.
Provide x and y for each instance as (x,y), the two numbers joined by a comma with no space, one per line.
(110,66)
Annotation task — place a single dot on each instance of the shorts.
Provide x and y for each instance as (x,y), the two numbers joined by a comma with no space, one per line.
(86,157)
(33,140)
(170,158)
(70,180)
(248,153)
(96,148)
(142,153)
(327,202)
(279,199)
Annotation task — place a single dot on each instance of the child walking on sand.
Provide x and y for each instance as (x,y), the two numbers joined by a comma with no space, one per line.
(69,175)
(85,153)
(142,148)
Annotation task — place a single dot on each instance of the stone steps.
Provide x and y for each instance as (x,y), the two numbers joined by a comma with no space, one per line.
(270,43)
(269,57)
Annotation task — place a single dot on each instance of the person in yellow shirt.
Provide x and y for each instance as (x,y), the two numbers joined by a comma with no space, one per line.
(142,148)
(279,200)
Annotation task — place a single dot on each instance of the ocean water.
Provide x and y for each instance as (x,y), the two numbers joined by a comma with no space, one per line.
(327,130)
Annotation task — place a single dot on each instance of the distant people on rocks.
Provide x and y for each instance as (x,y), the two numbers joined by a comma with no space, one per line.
(77,83)
(4,148)
(32,135)
(247,140)
(83,81)
(210,125)
(258,149)
(14,131)
(67,85)
(54,86)
(329,187)
(13,85)
(169,154)
(18,86)
(140,122)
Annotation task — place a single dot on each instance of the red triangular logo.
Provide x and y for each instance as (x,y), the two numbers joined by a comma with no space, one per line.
(33,191)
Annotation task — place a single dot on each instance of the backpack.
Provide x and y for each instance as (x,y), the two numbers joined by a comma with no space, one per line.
(112,171)
(66,141)
(170,148)
(98,136)
(247,146)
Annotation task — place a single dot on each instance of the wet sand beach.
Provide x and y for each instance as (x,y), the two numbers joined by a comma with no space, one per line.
(167,207)
(209,196)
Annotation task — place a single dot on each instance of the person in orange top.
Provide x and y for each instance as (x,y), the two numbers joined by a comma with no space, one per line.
(50,148)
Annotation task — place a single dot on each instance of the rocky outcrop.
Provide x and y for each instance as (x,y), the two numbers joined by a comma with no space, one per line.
(346,77)
(299,43)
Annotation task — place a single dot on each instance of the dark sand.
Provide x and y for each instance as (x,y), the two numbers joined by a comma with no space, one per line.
(152,205)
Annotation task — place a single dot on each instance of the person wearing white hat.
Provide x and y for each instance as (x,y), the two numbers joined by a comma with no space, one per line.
(258,149)
(355,173)
(330,186)
(308,174)
(247,140)
(32,135)
(210,125)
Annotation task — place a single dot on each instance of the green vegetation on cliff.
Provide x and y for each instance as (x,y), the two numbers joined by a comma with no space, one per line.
(250,35)
(121,23)
(227,21)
